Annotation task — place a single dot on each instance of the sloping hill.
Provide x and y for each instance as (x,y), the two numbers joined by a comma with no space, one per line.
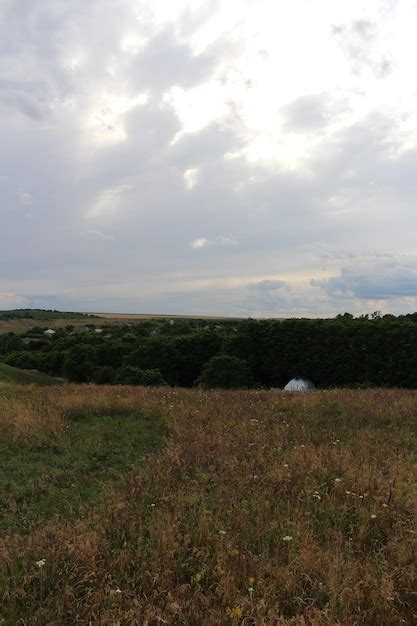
(10,374)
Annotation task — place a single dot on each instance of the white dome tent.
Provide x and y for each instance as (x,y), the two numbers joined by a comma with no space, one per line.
(299,384)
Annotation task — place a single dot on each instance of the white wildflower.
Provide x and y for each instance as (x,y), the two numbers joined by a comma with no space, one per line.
(287,538)
(41,563)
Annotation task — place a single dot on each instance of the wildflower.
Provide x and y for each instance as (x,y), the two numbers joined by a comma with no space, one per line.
(235,612)
(198,577)
(337,480)
(115,592)
(348,493)
(385,505)
(222,532)
(251,581)
(287,538)
(152,504)
(373,516)
(285,464)
(40,563)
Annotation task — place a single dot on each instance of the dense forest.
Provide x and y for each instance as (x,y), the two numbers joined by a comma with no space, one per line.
(344,351)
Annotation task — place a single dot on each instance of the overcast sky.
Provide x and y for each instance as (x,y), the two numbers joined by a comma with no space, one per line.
(221,157)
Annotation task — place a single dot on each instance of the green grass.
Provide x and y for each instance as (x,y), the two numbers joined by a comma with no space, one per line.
(42,315)
(61,479)
(18,376)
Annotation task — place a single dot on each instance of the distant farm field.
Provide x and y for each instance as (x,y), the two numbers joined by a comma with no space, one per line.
(152,316)
(23,325)
(168,506)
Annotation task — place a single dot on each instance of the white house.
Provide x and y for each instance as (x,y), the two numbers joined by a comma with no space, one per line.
(49,332)
(299,384)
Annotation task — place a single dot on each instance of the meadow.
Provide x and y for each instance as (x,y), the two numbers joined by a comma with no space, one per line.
(124,505)
(18,376)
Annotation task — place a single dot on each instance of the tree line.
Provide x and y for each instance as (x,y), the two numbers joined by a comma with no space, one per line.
(344,351)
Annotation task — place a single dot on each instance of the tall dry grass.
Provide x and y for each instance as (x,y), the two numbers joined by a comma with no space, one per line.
(30,413)
(264,508)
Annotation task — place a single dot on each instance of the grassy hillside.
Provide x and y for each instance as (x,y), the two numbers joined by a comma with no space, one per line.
(262,507)
(41,315)
(18,376)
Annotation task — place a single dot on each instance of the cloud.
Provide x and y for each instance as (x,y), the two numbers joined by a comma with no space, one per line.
(13,301)
(96,235)
(165,61)
(197,244)
(380,280)
(177,157)
(220,241)
(363,47)
(267,286)
(312,112)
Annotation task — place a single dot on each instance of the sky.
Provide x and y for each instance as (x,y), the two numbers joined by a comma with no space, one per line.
(222,157)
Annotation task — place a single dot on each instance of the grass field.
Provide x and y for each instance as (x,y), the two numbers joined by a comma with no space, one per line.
(155,316)
(18,376)
(97,319)
(24,325)
(164,506)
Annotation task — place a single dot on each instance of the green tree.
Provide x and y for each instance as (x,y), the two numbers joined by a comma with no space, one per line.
(129,375)
(104,375)
(79,364)
(225,372)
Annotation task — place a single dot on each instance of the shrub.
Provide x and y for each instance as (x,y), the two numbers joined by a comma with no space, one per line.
(79,364)
(104,375)
(225,372)
(129,375)
(24,360)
